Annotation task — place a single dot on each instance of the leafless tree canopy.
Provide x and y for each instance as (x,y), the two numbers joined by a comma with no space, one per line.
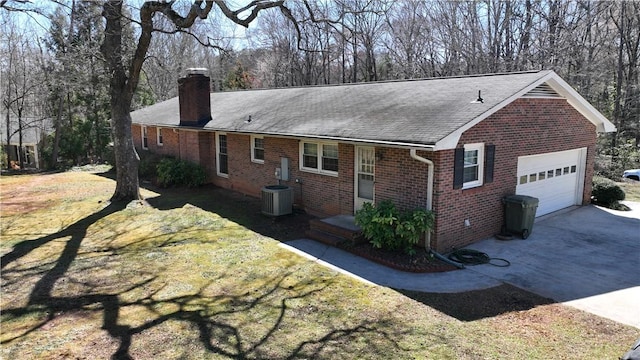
(595,45)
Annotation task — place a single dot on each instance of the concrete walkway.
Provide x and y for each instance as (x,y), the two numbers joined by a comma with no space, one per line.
(585,257)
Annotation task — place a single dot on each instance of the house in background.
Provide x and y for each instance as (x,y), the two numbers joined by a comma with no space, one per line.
(25,151)
(454,145)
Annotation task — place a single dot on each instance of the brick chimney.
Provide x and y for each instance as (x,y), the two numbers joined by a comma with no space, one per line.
(193,95)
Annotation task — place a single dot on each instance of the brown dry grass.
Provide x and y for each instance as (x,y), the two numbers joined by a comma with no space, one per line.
(82,278)
(631,189)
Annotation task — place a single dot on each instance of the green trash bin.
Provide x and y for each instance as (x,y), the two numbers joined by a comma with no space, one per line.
(519,214)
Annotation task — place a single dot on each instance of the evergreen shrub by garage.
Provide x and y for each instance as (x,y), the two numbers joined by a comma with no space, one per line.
(606,192)
(388,228)
(175,172)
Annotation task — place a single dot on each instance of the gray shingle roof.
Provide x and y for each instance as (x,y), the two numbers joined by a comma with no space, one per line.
(34,129)
(412,111)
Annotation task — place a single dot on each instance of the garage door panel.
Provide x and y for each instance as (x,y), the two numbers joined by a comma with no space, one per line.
(553,178)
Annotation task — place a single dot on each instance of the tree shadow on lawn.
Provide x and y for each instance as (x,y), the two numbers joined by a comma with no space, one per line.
(480,304)
(246,211)
(239,208)
(209,315)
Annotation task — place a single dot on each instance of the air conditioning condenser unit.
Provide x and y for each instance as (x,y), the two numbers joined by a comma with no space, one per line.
(277,200)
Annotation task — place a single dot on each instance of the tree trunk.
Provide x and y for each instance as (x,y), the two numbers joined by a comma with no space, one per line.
(20,136)
(617,112)
(121,92)
(127,160)
(57,128)
(8,145)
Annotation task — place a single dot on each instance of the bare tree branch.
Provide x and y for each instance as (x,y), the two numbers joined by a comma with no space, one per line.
(256,6)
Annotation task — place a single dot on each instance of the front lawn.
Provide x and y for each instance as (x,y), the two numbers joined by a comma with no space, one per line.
(168,278)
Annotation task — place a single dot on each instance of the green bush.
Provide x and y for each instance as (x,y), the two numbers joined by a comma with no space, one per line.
(148,167)
(605,192)
(174,172)
(387,228)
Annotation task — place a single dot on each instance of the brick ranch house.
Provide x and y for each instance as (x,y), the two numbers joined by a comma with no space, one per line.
(455,145)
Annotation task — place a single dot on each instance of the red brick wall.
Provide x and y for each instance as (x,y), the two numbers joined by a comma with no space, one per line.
(170,140)
(525,127)
(207,151)
(189,145)
(137,136)
(318,194)
(400,178)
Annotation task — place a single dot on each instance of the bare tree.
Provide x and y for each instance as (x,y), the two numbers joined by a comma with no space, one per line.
(19,87)
(125,73)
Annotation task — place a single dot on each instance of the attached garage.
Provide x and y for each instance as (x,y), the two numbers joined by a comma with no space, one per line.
(556,179)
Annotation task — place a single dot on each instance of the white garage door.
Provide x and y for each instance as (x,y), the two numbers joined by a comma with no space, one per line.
(556,179)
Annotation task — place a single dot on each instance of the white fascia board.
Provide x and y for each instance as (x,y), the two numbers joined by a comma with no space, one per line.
(581,104)
(573,98)
(346,140)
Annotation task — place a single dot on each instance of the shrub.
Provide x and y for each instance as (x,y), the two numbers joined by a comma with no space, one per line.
(605,192)
(390,229)
(174,172)
(148,167)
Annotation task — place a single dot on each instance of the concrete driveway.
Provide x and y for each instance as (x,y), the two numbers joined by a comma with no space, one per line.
(586,257)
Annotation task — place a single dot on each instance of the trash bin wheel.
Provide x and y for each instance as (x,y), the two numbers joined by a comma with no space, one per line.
(525,233)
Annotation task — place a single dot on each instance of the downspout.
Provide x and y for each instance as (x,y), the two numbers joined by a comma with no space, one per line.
(427,245)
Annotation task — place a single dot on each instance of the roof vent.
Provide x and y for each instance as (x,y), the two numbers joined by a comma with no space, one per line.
(542,91)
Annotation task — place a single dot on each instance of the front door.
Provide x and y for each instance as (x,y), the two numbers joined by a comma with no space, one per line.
(364,175)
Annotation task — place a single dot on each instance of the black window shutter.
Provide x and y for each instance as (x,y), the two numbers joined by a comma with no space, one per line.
(489,155)
(458,168)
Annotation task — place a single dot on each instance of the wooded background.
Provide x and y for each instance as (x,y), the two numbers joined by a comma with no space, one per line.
(52,73)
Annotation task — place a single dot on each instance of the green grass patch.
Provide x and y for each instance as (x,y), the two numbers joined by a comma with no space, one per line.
(83,278)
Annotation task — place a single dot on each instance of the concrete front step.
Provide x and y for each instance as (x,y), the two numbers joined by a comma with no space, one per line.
(324,237)
(341,225)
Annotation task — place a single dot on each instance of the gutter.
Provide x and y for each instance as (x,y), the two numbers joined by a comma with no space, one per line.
(346,140)
(427,245)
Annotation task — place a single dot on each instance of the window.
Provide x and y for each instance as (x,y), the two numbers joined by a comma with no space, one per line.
(330,158)
(145,139)
(319,157)
(257,149)
(473,161)
(159,135)
(310,156)
(473,166)
(223,157)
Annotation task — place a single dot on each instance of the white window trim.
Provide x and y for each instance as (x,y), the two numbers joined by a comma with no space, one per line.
(159,139)
(144,134)
(253,158)
(319,169)
(218,155)
(480,148)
